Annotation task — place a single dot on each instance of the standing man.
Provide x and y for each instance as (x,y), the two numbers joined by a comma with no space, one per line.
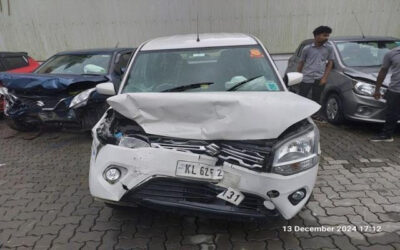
(391,61)
(316,63)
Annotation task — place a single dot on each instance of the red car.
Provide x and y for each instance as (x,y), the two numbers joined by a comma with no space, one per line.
(15,62)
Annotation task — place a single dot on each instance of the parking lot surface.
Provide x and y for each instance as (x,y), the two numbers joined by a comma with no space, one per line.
(45,201)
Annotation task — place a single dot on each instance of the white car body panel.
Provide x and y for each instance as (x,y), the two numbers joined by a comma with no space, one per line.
(215,115)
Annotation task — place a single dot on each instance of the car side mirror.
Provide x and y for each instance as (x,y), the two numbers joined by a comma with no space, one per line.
(294,78)
(106,88)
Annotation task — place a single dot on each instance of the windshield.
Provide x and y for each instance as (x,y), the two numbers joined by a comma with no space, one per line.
(76,64)
(224,67)
(364,54)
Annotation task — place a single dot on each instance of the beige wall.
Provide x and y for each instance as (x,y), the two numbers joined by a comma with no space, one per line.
(43,27)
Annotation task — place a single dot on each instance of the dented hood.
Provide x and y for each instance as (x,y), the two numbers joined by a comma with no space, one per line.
(369,74)
(215,115)
(48,83)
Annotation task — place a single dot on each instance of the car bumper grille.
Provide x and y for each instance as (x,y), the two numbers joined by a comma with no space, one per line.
(195,195)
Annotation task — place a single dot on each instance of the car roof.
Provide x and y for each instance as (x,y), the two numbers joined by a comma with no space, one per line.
(94,51)
(206,40)
(357,38)
(366,38)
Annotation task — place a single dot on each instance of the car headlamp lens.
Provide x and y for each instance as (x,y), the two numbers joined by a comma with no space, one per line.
(133,142)
(81,99)
(367,89)
(297,154)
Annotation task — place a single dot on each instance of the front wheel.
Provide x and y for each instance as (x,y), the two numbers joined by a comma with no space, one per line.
(334,109)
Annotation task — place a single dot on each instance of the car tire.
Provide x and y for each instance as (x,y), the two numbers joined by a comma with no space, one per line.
(19,126)
(333,109)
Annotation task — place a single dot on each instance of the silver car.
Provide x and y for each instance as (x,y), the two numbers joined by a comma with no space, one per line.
(351,83)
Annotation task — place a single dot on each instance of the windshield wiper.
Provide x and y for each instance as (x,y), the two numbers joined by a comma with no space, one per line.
(237,85)
(189,86)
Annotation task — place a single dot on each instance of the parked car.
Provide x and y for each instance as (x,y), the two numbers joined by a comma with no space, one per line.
(348,94)
(61,92)
(206,127)
(17,62)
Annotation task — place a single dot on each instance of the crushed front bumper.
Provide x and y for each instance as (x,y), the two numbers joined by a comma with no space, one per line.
(148,178)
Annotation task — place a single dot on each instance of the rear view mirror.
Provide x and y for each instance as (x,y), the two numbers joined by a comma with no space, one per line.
(106,88)
(294,78)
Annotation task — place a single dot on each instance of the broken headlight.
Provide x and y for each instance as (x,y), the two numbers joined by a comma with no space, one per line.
(116,129)
(134,142)
(81,99)
(297,153)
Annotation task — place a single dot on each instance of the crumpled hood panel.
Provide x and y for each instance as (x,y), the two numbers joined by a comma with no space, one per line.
(215,115)
(46,83)
(370,74)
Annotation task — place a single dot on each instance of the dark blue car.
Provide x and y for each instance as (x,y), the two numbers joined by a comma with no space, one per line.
(61,92)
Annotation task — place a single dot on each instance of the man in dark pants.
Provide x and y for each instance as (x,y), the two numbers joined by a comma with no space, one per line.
(390,61)
(316,64)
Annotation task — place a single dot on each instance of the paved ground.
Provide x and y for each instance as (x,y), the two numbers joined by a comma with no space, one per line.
(45,202)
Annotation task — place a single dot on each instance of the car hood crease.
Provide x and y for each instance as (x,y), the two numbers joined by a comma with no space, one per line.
(215,115)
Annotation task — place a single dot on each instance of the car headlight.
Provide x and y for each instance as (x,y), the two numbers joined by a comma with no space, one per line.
(81,99)
(297,154)
(367,89)
(133,142)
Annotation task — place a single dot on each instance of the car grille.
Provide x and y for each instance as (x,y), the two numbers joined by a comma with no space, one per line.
(178,190)
(251,154)
(41,102)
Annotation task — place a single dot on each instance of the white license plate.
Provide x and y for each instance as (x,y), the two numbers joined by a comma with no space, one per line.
(231,195)
(198,170)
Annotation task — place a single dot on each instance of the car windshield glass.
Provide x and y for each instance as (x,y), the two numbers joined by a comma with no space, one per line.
(76,64)
(364,54)
(158,71)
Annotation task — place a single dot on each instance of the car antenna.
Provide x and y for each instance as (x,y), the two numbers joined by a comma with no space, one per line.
(359,25)
(198,36)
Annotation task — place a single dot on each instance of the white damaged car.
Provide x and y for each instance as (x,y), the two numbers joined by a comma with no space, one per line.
(205,126)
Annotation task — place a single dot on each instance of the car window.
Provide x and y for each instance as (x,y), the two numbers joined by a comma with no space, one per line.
(14,62)
(97,64)
(224,66)
(364,54)
(122,62)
